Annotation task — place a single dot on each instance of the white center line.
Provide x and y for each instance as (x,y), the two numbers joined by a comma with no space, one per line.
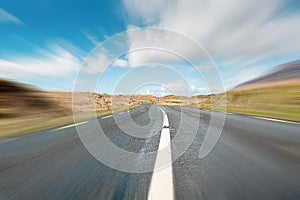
(161,186)
(106,117)
(277,120)
(68,126)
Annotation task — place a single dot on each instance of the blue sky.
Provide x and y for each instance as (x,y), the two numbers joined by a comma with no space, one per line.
(45,42)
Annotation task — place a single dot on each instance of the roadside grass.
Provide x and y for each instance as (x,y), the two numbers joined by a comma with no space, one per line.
(16,126)
(273,101)
(282,102)
(12,127)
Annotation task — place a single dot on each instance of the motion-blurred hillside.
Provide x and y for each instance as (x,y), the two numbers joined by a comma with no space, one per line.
(276,94)
(24,108)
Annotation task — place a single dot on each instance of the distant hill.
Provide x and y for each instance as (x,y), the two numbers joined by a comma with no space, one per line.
(7,86)
(18,99)
(276,94)
(285,72)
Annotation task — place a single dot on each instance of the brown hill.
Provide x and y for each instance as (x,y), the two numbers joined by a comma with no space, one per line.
(289,72)
(22,100)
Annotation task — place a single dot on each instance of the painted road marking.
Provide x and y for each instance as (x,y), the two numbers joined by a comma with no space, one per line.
(106,117)
(161,186)
(8,140)
(276,120)
(71,125)
(266,118)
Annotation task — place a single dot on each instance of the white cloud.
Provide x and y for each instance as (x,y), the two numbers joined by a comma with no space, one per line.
(53,62)
(121,63)
(179,88)
(232,31)
(6,17)
(148,11)
(160,46)
(157,92)
(199,90)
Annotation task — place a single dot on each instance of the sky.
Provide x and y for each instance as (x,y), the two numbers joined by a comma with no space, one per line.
(182,47)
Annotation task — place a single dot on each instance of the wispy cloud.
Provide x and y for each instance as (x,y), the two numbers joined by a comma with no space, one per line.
(6,17)
(97,62)
(92,38)
(55,62)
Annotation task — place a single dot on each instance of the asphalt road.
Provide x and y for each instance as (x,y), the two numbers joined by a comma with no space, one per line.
(253,159)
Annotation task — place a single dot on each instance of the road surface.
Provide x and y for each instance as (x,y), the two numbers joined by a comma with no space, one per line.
(253,159)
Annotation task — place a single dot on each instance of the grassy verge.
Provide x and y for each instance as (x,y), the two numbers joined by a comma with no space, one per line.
(273,101)
(281,102)
(268,114)
(18,126)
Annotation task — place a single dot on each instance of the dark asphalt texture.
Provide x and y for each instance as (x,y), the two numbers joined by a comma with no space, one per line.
(253,159)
